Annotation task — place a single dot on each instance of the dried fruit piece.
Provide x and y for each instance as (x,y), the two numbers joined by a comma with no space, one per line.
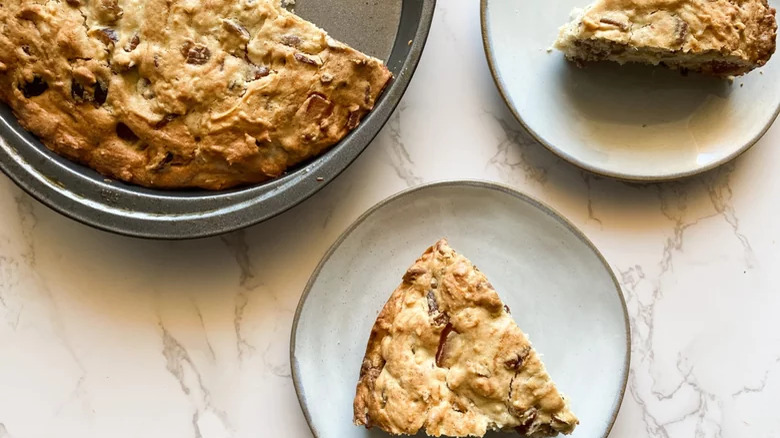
(125,133)
(101,93)
(443,338)
(76,91)
(34,88)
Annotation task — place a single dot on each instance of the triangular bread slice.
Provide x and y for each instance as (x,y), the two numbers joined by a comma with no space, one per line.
(445,357)
(715,37)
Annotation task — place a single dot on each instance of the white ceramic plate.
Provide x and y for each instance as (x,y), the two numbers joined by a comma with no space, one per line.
(561,292)
(632,122)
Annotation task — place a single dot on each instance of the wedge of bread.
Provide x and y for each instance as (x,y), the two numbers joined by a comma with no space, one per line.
(445,357)
(714,37)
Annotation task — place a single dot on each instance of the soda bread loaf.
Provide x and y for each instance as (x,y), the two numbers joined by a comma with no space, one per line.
(181,93)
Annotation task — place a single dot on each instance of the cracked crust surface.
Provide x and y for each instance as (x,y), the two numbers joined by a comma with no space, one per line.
(446,357)
(181,93)
(718,37)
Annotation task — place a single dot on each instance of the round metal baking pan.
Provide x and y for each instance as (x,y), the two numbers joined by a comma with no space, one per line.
(394,30)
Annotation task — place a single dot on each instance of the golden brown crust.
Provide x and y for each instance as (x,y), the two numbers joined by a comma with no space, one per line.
(445,357)
(183,93)
(719,37)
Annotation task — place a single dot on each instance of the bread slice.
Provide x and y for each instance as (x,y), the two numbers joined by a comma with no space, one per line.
(715,37)
(446,357)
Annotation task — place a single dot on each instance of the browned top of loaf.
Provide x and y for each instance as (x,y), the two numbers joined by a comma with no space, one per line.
(181,93)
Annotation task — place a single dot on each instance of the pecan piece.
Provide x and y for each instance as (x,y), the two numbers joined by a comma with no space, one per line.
(300,57)
(133,44)
(681,30)
(433,306)
(413,273)
(319,107)
(353,120)
(106,35)
(516,362)
(619,25)
(162,162)
(291,40)
(525,427)
(195,54)
(256,72)
(165,120)
(236,29)
(439,317)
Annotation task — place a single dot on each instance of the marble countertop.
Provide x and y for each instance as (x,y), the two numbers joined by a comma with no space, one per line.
(106,336)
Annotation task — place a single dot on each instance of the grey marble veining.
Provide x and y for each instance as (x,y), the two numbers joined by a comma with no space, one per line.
(103,335)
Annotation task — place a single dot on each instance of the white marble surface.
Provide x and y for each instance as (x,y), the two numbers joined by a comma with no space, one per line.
(106,336)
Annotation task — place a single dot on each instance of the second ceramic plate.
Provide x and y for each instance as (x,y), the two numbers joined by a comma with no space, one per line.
(632,122)
(561,292)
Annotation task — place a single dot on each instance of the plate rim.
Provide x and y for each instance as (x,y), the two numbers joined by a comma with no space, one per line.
(458,183)
(500,85)
(79,193)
